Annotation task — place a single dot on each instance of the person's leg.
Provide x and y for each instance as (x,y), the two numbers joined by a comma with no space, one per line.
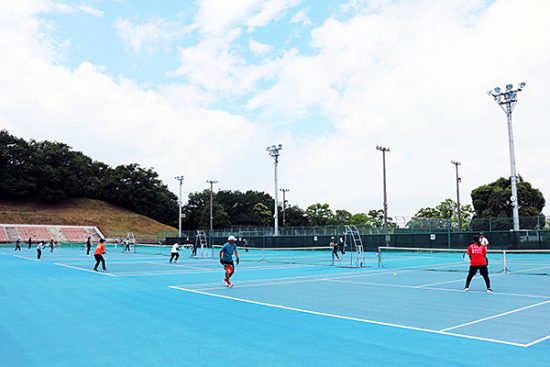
(471,273)
(97,260)
(171,257)
(335,253)
(177,257)
(39,253)
(485,274)
(102,262)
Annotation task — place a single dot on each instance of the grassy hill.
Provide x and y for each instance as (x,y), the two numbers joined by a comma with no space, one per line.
(113,221)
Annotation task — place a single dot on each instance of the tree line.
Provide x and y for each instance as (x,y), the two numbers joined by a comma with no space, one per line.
(52,171)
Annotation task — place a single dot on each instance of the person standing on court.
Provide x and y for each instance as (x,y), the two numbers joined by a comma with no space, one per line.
(334,246)
(30,242)
(484,241)
(18,244)
(98,255)
(226,259)
(39,248)
(478,261)
(52,245)
(174,253)
(88,246)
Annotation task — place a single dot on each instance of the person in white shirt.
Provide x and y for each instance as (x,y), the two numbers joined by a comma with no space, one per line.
(174,253)
(39,249)
(483,240)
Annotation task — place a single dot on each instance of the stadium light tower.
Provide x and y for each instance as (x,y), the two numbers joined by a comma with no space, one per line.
(507,101)
(457,193)
(180,179)
(274,151)
(284,204)
(384,150)
(211,182)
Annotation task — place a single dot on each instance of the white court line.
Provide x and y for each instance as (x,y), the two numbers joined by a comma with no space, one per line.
(87,270)
(374,322)
(495,316)
(538,340)
(26,258)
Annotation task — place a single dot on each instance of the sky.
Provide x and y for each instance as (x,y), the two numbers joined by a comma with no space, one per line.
(200,88)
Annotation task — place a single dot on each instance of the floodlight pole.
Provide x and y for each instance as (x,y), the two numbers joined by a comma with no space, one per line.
(211,182)
(457,194)
(507,101)
(384,150)
(284,204)
(274,152)
(180,179)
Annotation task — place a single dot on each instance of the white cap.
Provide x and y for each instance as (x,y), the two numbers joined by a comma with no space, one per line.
(231,238)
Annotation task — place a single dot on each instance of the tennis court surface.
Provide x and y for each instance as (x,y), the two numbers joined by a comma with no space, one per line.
(147,312)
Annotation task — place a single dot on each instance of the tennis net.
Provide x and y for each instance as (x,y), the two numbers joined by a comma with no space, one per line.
(529,262)
(294,255)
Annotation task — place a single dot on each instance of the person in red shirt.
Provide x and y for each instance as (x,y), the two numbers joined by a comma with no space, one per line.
(478,261)
(98,255)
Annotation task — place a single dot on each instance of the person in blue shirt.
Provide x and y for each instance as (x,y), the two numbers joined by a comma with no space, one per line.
(226,258)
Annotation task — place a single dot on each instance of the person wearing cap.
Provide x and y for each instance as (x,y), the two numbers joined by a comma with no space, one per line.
(484,241)
(18,244)
(478,261)
(334,246)
(98,255)
(226,259)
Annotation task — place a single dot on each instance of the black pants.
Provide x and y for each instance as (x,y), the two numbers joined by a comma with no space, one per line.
(39,253)
(88,249)
(98,259)
(484,273)
(335,253)
(174,255)
(17,247)
(194,250)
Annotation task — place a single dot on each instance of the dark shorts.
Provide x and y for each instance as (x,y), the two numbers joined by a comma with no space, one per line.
(228,263)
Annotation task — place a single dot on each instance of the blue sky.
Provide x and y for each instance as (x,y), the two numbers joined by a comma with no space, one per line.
(200,88)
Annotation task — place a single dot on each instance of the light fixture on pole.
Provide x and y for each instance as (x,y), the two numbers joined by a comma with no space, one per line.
(211,182)
(180,179)
(457,194)
(507,101)
(274,151)
(284,204)
(384,150)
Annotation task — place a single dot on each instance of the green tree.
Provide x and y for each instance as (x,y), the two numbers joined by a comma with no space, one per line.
(493,201)
(447,209)
(359,219)
(319,214)
(263,214)
(342,217)
(296,216)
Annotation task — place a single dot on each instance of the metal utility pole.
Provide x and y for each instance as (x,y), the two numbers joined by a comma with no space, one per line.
(211,182)
(284,204)
(384,150)
(274,151)
(507,101)
(457,194)
(180,179)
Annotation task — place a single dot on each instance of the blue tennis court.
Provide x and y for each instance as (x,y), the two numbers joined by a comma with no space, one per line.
(147,312)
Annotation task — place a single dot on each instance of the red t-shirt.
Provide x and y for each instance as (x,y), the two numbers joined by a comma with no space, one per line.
(100,249)
(477,254)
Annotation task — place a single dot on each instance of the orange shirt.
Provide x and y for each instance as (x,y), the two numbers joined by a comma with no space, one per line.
(100,249)
(477,255)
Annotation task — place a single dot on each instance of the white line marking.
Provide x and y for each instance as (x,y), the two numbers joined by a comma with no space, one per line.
(348,317)
(87,270)
(26,258)
(495,316)
(538,341)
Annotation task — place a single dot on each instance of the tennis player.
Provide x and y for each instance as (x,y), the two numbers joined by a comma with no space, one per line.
(226,259)
(88,246)
(174,253)
(39,248)
(334,246)
(98,255)
(478,261)
(18,244)
(483,240)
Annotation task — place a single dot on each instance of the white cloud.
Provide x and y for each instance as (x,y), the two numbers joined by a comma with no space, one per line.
(258,48)
(301,17)
(67,8)
(148,34)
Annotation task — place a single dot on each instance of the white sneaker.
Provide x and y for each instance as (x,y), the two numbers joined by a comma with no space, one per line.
(489,290)
(466,289)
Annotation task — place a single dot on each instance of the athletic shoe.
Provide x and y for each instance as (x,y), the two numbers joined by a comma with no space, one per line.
(466,289)
(226,282)
(229,284)
(489,290)
(95,269)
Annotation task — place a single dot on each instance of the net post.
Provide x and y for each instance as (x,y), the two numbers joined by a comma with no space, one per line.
(505,263)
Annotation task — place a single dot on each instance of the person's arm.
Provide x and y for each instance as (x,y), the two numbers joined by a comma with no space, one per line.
(237,256)
(220,255)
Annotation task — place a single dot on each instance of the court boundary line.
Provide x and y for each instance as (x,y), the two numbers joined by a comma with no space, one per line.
(496,316)
(26,257)
(86,270)
(349,318)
